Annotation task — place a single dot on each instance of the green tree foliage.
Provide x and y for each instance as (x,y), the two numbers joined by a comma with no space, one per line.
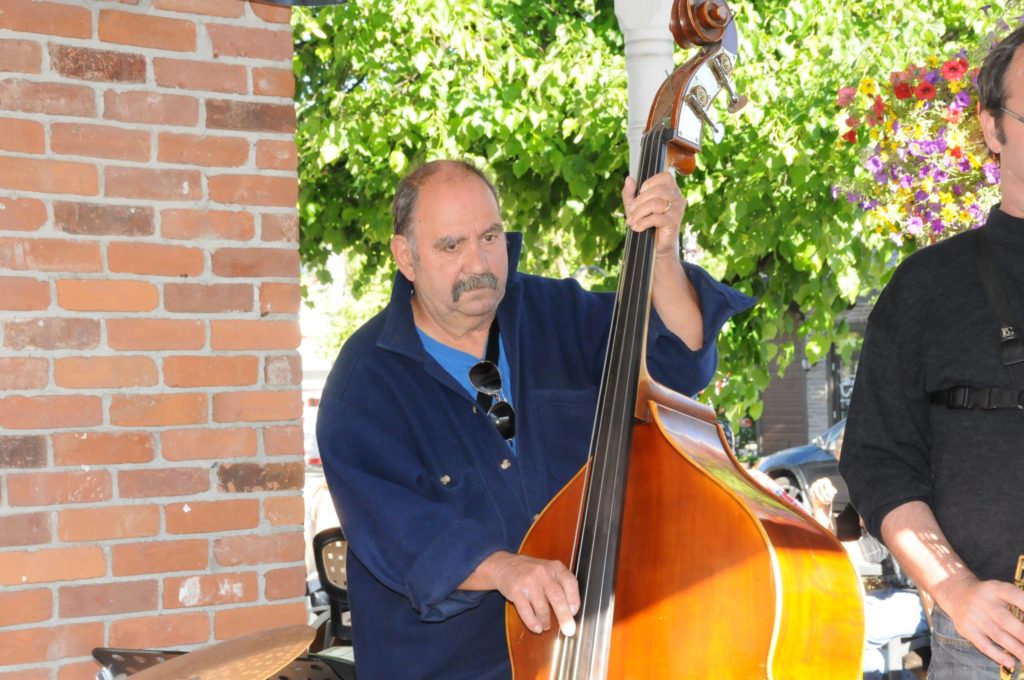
(535,92)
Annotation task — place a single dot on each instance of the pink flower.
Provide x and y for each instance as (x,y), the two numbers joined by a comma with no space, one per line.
(845,96)
(925,91)
(954,69)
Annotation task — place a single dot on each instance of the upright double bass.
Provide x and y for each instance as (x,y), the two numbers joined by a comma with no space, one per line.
(688,567)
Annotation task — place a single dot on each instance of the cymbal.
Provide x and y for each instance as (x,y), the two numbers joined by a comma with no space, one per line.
(256,656)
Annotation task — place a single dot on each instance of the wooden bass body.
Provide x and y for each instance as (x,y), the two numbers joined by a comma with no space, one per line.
(716,577)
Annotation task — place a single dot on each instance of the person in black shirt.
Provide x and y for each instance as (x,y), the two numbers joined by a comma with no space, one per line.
(937,479)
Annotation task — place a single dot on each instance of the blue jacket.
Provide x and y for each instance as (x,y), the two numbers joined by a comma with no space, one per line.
(415,468)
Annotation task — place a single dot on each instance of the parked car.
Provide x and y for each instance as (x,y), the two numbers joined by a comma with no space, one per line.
(796,469)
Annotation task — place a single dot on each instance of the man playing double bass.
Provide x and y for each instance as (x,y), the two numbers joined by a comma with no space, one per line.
(452,417)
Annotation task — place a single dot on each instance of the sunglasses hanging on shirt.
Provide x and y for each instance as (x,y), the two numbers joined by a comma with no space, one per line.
(486,380)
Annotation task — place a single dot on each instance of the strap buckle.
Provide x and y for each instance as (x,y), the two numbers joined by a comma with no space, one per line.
(1011,346)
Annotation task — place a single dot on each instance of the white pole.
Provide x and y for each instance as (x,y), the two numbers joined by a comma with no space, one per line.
(649,48)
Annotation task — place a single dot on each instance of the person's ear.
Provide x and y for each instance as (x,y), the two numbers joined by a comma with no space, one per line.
(990,128)
(402,251)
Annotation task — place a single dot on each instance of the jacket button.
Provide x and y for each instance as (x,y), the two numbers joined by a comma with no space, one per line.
(474,408)
(445,480)
(506,464)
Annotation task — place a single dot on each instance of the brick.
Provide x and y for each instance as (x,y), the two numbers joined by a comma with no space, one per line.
(20,135)
(204,371)
(115,521)
(102,295)
(280,298)
(89,372)
(210,589)
(163,482)
(50,255)
(249,477)
(21,452)
(276,154)
(21,56)
(208,150)
(152,410)
(284,510)
(284,440)
(49,176)
(215,297)
(162,631)
(254,190)
(24,528)
(155,334)
(21,214)
(25,606)
(207,224)
(234,407)
(42,413)
(27,674)
(59,99)
(57,488)
(232,551)
(130,559)
(23,294)
(155,259)
(252,116)
(283,370)
(49,643)
(201,75)
(79,670)
(23,373)
(198,517)
(285,584)
(100,141)
(273,82)
(217,8)
(150,107)
(271,13)
(157,184)
(207,444)
(256,262)
(245,334)
(103,220)
(51,18)
(231,623)
(48,565)
(86,63)
(252,43)
(275,227)
(132,28)
(49,334)
(102,448)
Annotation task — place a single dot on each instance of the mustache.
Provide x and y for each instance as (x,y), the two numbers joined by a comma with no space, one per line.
(485,280)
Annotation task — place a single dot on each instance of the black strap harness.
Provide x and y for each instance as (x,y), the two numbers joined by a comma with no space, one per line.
(1011,346)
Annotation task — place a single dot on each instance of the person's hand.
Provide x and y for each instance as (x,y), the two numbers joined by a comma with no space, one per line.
(822,493)
(659,204)
(979,610)
(536,588)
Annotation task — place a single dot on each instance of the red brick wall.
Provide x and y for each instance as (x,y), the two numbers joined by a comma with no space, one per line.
(150,446)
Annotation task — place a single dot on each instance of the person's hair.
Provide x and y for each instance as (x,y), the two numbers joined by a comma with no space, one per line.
(408,191)
(992,78)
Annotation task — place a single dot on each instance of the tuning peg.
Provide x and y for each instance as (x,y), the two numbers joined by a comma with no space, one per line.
(736,103)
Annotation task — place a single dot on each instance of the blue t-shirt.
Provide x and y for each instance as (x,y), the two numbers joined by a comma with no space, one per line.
(458,363)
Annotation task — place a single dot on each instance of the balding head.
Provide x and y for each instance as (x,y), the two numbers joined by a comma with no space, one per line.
(407,194)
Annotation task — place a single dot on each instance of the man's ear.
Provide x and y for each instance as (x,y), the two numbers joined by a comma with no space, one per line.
(401,250)
(991,131)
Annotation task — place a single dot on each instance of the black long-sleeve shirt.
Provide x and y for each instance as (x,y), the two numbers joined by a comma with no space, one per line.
(931,329)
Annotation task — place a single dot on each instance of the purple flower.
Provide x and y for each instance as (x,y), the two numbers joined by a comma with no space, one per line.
(940,175)
(920,195)
(914,225)
(974,210)
(852,197)
(932,77)
(874,165)
(964,164)
(937,225)
(963,100)
(906,181)
(957,189)
(991,172)
(835,192)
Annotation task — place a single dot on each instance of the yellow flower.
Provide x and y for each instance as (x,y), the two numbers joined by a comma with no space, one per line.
(868,86)
(945,197)
(948,214)
(932,61)
(956,85)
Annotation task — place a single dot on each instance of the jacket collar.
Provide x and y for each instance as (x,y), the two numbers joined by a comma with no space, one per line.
(399,332)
